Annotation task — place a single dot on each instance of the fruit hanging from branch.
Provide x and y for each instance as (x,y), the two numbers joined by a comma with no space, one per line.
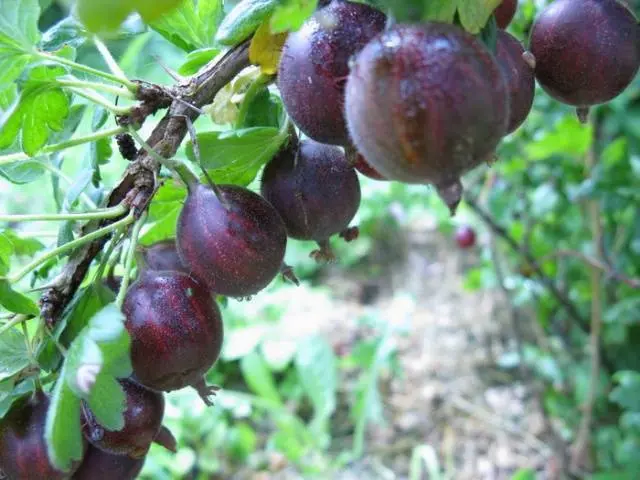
(517,66)
(425,104)
(161,256)
(176,331)
(231,238)
(315,191)
(315,64)
(587,51)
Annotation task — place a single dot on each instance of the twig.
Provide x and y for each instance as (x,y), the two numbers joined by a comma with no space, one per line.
(560,296)
(580,455)
(139,182)
(609,270)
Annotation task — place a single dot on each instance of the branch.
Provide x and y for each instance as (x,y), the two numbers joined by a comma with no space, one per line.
(560,296)
(137,187)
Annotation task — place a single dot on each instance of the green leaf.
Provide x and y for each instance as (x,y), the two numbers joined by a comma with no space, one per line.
(197,59)
(16,302)
(18,35)
(237,156)
(8,94)
(259,378)
(107,401)
(67,32)
(474,15)
(241,22)
(164,212)
(63,430)
(21,246)
(42,107)
(524,474)
(265,110)
(291,14)
(316,366)
(436,11)
(568,137)
(191,26)
(22,172)
(84,306)
(13,353)
(10,393)
(627,393)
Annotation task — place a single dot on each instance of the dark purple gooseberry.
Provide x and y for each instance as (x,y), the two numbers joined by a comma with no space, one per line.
(23,450)
(465,237)
(142,423)
(315,64)
(315,191)
(100,465)
(505,12)
(517,67)
(162,256)
(234,241)
(176,331)
(426,103)
(587,51)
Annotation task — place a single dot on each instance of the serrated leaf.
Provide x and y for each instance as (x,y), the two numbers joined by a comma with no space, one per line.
(18,35)
(191,26)
(63,430)
(197,59)
(291,14)
(107,402)
(16,302)
(19,245)
(236,156)
(316,366)
(266,48)
(245,18)
(13,353)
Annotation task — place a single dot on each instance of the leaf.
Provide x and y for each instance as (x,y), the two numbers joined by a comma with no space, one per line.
(474,15)
(627,393)
(42,107)
(16,302)
(266,48)
(77,187)
(245,18)
(197,59)
(265,110)
(18,35)
(524,474)
(316,366)
(10,393)
(164,212)
(67,32)
(237,156)
(568,137)
(22,172)
(63,430)
(259,378)
(21,246)
(107,401)
(13,354)
(191,26)
(8,94)
(291,14)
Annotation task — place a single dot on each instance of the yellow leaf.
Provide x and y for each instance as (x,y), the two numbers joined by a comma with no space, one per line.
(266,48)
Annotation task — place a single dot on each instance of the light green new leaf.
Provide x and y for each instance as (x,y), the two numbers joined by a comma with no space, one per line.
(63,431)
(259,378)
(13,354)
(192,25)
(236,156)
(16,302)
(18,36)
(474,15)
(244,20)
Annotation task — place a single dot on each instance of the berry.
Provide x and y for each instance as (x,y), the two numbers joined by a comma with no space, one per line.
(465,237)
(176,331)
(151,10)
(315,190)
(315,64)
(234,240)
(365,169)
(587,51)
(103,17)
(410,111)
(23,450)
(100,465)
(142,421)
(505,12)
(162,256)
(519,77)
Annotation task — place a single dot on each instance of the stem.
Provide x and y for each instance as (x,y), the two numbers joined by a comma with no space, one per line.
(84,68)
(187,176)
(256,87)
(130,256)
(70,246)
(108,58)
(17,320)
(100,100)
(95,215)
(56,147)
(120,92)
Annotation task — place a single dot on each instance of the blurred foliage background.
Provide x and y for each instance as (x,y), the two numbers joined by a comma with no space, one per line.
(559,228)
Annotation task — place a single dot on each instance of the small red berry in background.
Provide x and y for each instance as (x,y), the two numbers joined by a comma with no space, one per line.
(465,237)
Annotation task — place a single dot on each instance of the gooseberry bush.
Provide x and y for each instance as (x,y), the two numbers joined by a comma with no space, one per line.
(190,192)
